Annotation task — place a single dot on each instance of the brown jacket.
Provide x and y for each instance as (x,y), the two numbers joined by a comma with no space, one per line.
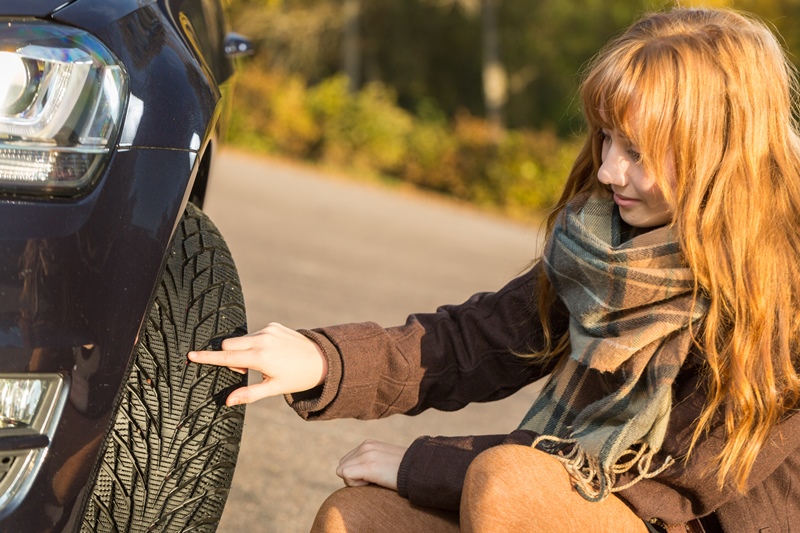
(465,353)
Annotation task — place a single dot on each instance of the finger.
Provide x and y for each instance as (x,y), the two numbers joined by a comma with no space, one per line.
(357,454)
(353,475)
(340,470)
(243,342)
(193,357)
(373,462)
(348,456)
(252,393)
(231,359)
(357,465)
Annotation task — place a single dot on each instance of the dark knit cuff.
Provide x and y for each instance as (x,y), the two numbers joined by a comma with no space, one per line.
(433,469)
(405,466)
(307,403)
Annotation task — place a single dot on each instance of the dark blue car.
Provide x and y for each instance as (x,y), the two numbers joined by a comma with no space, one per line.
(110,115)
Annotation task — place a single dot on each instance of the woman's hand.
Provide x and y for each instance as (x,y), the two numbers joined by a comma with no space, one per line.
(288,362)
(372,462)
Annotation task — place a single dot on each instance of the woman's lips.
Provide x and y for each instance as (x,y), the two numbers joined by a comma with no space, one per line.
(624,201)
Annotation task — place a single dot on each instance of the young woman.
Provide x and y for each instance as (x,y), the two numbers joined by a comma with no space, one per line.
(665,307)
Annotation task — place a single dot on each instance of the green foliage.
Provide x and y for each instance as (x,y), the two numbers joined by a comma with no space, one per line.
(365,131)
(271,114)
(519,171)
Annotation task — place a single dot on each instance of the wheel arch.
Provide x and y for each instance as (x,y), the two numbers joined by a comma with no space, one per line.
(197,195)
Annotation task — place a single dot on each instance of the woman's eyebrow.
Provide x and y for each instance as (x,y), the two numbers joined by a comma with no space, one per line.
(619,132)
(625,137)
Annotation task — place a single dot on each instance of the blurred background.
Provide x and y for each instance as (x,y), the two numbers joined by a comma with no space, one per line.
(347,111)
(475,99)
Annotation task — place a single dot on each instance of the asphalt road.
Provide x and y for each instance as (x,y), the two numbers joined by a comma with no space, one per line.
(315,250)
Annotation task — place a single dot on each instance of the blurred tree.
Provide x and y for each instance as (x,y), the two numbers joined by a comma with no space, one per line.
(442,56)
(457,52)
(493,72)
(545,44)
(429,50)
(351,44)
(495,88)
(299,36)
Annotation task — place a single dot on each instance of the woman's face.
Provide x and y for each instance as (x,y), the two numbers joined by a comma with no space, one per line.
(641,202)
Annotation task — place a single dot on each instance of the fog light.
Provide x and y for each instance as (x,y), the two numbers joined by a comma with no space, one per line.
(30,407)
(19,401)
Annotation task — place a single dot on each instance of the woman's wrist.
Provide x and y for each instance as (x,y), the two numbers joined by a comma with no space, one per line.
(309,403)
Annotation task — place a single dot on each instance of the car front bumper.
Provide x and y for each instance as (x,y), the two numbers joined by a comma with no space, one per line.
(76,281)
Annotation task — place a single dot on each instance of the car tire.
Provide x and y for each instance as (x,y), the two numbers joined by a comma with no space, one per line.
(168,459)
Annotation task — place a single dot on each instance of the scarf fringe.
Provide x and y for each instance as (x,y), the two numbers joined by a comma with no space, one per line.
(591,480)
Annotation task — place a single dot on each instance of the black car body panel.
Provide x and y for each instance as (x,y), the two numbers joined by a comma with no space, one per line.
(77,274)
(31,8)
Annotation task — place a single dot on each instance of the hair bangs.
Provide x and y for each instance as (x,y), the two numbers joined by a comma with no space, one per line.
(608,94)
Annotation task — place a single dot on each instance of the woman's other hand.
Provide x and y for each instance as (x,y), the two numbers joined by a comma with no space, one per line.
(372,462)
(288,361)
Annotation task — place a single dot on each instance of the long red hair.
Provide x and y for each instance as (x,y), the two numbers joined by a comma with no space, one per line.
(713,91)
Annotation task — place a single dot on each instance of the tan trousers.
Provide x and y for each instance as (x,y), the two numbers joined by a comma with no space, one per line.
(507,488)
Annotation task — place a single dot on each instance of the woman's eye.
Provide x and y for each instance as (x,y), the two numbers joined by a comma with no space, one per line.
(634,155)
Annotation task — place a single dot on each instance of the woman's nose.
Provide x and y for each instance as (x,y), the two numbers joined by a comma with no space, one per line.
(613,170)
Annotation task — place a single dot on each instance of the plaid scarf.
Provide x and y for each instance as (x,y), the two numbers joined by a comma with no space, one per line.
(605,409)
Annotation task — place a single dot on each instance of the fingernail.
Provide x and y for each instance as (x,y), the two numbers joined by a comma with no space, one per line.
(192,355)
(233,400)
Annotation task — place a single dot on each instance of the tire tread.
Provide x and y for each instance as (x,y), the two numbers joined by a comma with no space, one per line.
(168,461)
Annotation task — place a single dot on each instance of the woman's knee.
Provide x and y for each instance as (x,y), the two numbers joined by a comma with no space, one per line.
(518,488)
(495,476)
(334,513)
(375,509)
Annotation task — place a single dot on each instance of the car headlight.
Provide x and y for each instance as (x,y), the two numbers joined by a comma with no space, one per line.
(62,95)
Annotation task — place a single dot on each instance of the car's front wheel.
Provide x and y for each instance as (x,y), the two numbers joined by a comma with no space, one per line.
(168,461)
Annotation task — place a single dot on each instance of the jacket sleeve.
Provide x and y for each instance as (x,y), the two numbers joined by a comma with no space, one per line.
(433,469)
(445,360)
(689,489)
